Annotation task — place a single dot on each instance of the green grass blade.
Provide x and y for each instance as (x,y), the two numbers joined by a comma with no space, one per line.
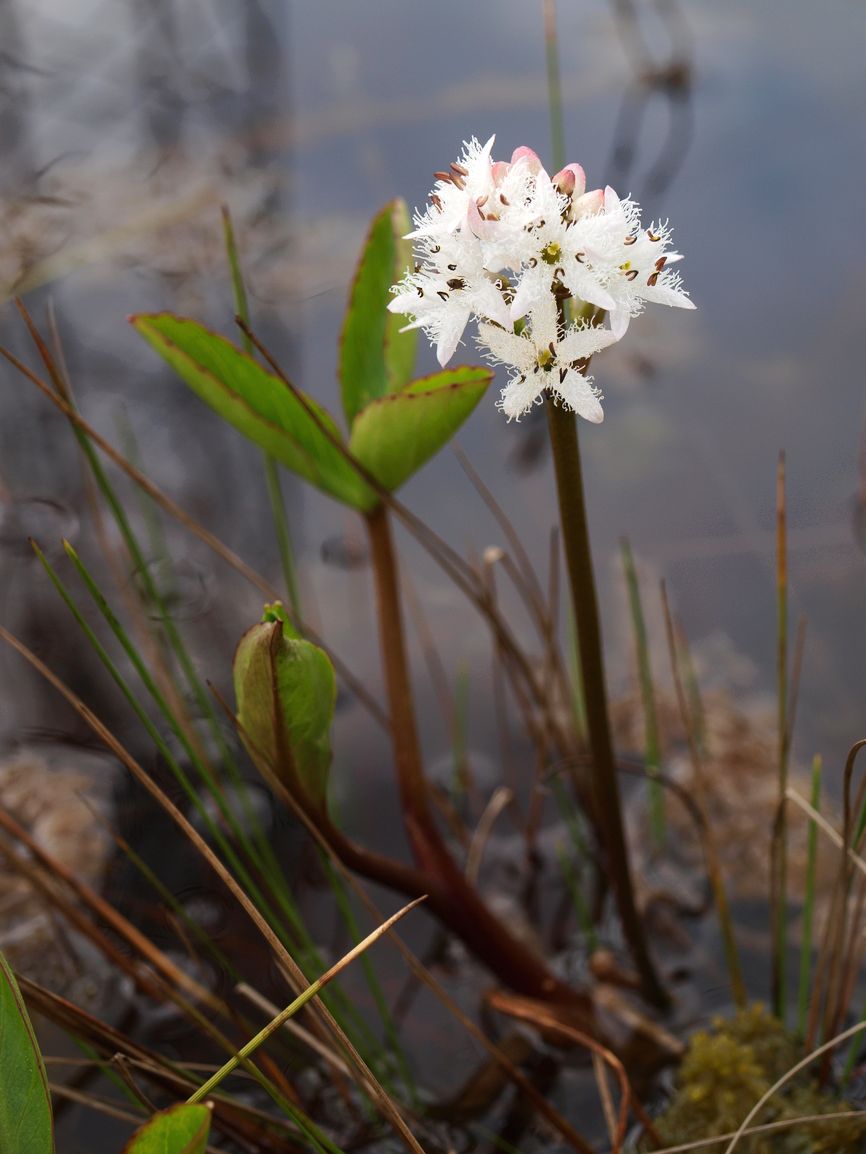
(809,902)
(652,746)
(567,812)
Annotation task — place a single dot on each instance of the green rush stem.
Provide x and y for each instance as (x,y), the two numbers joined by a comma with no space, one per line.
(809,903)
(562,426)
(451,897)
(554,87)
(780,904)
(652,747)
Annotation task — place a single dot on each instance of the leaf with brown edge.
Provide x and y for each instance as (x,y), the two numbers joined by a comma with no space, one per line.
(257,403)
(395,435)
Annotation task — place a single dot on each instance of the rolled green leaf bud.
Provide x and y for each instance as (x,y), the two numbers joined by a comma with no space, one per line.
(285,690)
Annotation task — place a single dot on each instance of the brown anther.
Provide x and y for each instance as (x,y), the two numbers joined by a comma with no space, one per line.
(651,279)
(443,296)
(480,201)
(630,240)
(631,274)
(560,272)
(652,235)
(434,248)
(456,282)
(552,348)
(458,168)
(578,256)
(419,290)
(533,262)
(660,263)
(452,268)
(563,373)
(446,176)
(504,200)
(434,199)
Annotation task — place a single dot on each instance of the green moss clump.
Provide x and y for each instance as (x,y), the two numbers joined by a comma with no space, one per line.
(728,1068)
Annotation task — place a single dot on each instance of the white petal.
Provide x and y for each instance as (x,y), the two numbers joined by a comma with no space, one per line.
(520,394)
(508,347)
(581,343)
(619,320)
(577,392)
(487,302)
(545,320)
(532,288)
(663,294)
(584,285)
(450,330)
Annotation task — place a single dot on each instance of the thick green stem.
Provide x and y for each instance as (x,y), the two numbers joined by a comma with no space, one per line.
(451,897)
(562,425)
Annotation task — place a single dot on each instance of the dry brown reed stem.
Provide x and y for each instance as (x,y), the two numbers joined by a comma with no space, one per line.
(366,1075)
(172,975)
(779,841)
(340,860)
(501,798)
(714,869)
(170,507)
(525,579)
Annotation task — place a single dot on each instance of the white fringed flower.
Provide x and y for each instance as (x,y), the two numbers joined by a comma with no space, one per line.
(633,264)
(450,287)
(507,244)
(546,356)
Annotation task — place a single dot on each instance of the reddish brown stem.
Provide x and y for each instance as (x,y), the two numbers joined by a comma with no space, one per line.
(451,897)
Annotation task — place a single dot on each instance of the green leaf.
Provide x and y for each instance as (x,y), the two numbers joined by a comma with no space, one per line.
(257,403)
(286,691)
(181,1129)
(25,1104)
(375,357)
(395,435)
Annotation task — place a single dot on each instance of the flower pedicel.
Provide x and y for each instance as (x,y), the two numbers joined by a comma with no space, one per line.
(507,245)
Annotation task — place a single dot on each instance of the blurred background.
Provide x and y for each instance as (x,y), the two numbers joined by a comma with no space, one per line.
(125,125)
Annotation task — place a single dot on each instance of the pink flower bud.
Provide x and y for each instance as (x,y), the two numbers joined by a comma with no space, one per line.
(570,180)
(587,204)
(527,155)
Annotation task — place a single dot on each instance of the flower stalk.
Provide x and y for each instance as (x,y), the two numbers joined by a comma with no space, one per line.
(562,427)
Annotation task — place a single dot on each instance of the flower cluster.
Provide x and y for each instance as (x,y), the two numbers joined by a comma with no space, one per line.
(508,245)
